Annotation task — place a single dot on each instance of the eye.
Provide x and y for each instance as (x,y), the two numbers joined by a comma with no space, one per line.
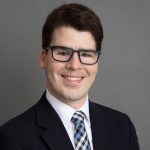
(62,52)
(86,54)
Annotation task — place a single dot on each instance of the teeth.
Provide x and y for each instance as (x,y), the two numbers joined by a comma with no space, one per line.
(73,78)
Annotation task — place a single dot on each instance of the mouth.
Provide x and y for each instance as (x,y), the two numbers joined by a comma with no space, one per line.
(73,79)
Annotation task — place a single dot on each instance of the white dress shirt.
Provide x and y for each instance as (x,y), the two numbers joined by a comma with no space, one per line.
(65,112)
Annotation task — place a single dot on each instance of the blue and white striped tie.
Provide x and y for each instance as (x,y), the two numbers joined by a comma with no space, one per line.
(80,135)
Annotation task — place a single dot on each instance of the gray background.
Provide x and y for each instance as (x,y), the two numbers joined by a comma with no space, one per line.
(123,82)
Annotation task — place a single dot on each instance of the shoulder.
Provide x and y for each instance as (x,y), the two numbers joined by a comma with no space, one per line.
(115,120)
(111,115)
(19,124)
(25,120)
(115,124)
(104,109)
(20,130)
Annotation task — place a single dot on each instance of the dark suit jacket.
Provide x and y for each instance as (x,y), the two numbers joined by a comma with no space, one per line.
(40,128)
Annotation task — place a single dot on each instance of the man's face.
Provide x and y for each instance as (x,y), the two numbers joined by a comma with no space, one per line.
(69,81)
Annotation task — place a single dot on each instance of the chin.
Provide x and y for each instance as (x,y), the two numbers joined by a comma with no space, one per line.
(74,97)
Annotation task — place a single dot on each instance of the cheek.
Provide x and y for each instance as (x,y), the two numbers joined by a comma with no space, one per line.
(93,70)
(54,68)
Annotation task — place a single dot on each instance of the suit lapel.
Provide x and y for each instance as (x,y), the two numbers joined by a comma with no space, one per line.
(54,135)
(101,131)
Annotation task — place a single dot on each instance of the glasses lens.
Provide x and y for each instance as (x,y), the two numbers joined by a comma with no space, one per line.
(61,54)
(89,57)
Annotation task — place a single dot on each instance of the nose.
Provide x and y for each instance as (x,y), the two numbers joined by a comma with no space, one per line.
(74,63)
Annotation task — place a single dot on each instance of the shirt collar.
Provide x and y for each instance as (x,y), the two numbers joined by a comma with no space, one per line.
(65,111)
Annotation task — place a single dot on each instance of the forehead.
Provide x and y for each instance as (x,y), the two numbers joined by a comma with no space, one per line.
(69,36)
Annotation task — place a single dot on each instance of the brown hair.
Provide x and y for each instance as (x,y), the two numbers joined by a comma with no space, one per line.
(75,15)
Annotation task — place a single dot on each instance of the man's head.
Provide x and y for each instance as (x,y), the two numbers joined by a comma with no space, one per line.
(70,52)
(77,16)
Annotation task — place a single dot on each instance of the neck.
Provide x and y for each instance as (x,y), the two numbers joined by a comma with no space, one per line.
(76,104)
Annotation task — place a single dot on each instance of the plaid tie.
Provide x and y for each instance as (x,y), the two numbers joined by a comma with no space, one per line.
(80,135)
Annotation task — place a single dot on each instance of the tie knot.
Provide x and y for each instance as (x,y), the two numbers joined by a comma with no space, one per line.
(78,117)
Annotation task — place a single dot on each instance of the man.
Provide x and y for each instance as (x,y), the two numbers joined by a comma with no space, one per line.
(65,118)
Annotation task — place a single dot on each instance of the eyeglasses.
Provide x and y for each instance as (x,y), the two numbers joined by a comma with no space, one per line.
(64,54)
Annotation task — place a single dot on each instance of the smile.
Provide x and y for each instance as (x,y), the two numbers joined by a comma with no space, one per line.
(71,78)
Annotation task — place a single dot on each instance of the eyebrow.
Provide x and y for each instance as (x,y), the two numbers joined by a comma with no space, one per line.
(65,47)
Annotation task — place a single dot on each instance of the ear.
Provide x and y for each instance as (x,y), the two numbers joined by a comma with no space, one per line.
(43,57)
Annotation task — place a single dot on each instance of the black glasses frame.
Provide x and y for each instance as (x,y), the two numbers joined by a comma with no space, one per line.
(73,51)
